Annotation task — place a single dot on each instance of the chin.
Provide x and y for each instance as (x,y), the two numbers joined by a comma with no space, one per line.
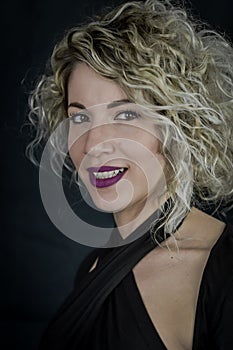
(109,204)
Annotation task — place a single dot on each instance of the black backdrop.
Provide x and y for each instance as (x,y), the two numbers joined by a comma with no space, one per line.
(37,262)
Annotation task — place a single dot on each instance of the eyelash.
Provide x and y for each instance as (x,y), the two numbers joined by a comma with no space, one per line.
(135,116)
(73,116)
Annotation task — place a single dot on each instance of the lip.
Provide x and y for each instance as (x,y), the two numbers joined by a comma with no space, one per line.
(100,183)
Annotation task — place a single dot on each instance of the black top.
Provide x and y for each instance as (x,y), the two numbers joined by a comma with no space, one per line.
(106,312)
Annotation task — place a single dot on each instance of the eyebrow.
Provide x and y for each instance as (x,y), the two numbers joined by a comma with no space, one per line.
(110,105)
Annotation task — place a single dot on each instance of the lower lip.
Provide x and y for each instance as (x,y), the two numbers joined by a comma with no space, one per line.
(100,183)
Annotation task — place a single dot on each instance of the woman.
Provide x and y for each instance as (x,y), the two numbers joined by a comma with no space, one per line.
(148,96)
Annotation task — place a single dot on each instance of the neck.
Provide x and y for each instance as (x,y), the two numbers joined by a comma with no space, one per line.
(132,217)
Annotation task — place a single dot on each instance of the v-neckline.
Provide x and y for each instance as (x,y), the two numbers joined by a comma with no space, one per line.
(142,308)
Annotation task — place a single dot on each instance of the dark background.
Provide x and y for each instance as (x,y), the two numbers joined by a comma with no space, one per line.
(37,262)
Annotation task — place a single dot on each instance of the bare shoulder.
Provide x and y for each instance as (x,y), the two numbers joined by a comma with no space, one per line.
(169,279)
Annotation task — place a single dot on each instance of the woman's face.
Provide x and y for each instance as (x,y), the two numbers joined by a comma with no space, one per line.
(113,146)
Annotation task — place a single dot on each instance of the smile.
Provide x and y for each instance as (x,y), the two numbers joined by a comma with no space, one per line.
(105,175)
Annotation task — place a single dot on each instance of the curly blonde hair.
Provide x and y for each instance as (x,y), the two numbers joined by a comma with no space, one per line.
(169,64)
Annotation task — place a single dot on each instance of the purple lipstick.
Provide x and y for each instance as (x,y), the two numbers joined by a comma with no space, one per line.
(105,176)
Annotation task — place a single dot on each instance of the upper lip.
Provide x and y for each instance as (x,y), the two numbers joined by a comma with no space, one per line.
(104,168)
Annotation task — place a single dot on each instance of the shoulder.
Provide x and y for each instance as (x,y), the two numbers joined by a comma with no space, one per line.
(220,262)
(220,300)
(219,269)
(215,302)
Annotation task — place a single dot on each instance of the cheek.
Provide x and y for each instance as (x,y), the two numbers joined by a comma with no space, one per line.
(76,142)
(76,154)
(154,145)
(150,140)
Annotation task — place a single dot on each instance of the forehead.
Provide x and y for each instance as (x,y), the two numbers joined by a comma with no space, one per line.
(89,88)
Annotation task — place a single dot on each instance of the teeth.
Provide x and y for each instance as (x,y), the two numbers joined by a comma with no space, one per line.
(107,174)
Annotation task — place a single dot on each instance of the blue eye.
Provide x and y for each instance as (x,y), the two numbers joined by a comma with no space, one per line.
(79,118)
(127,115)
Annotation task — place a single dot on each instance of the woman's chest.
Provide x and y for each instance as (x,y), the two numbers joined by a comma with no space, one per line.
(169,288)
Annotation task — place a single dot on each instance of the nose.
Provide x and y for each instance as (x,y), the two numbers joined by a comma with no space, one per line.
(98,140)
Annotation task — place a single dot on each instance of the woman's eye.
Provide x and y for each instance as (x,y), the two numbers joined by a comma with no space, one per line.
(79,118)
(127,115)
